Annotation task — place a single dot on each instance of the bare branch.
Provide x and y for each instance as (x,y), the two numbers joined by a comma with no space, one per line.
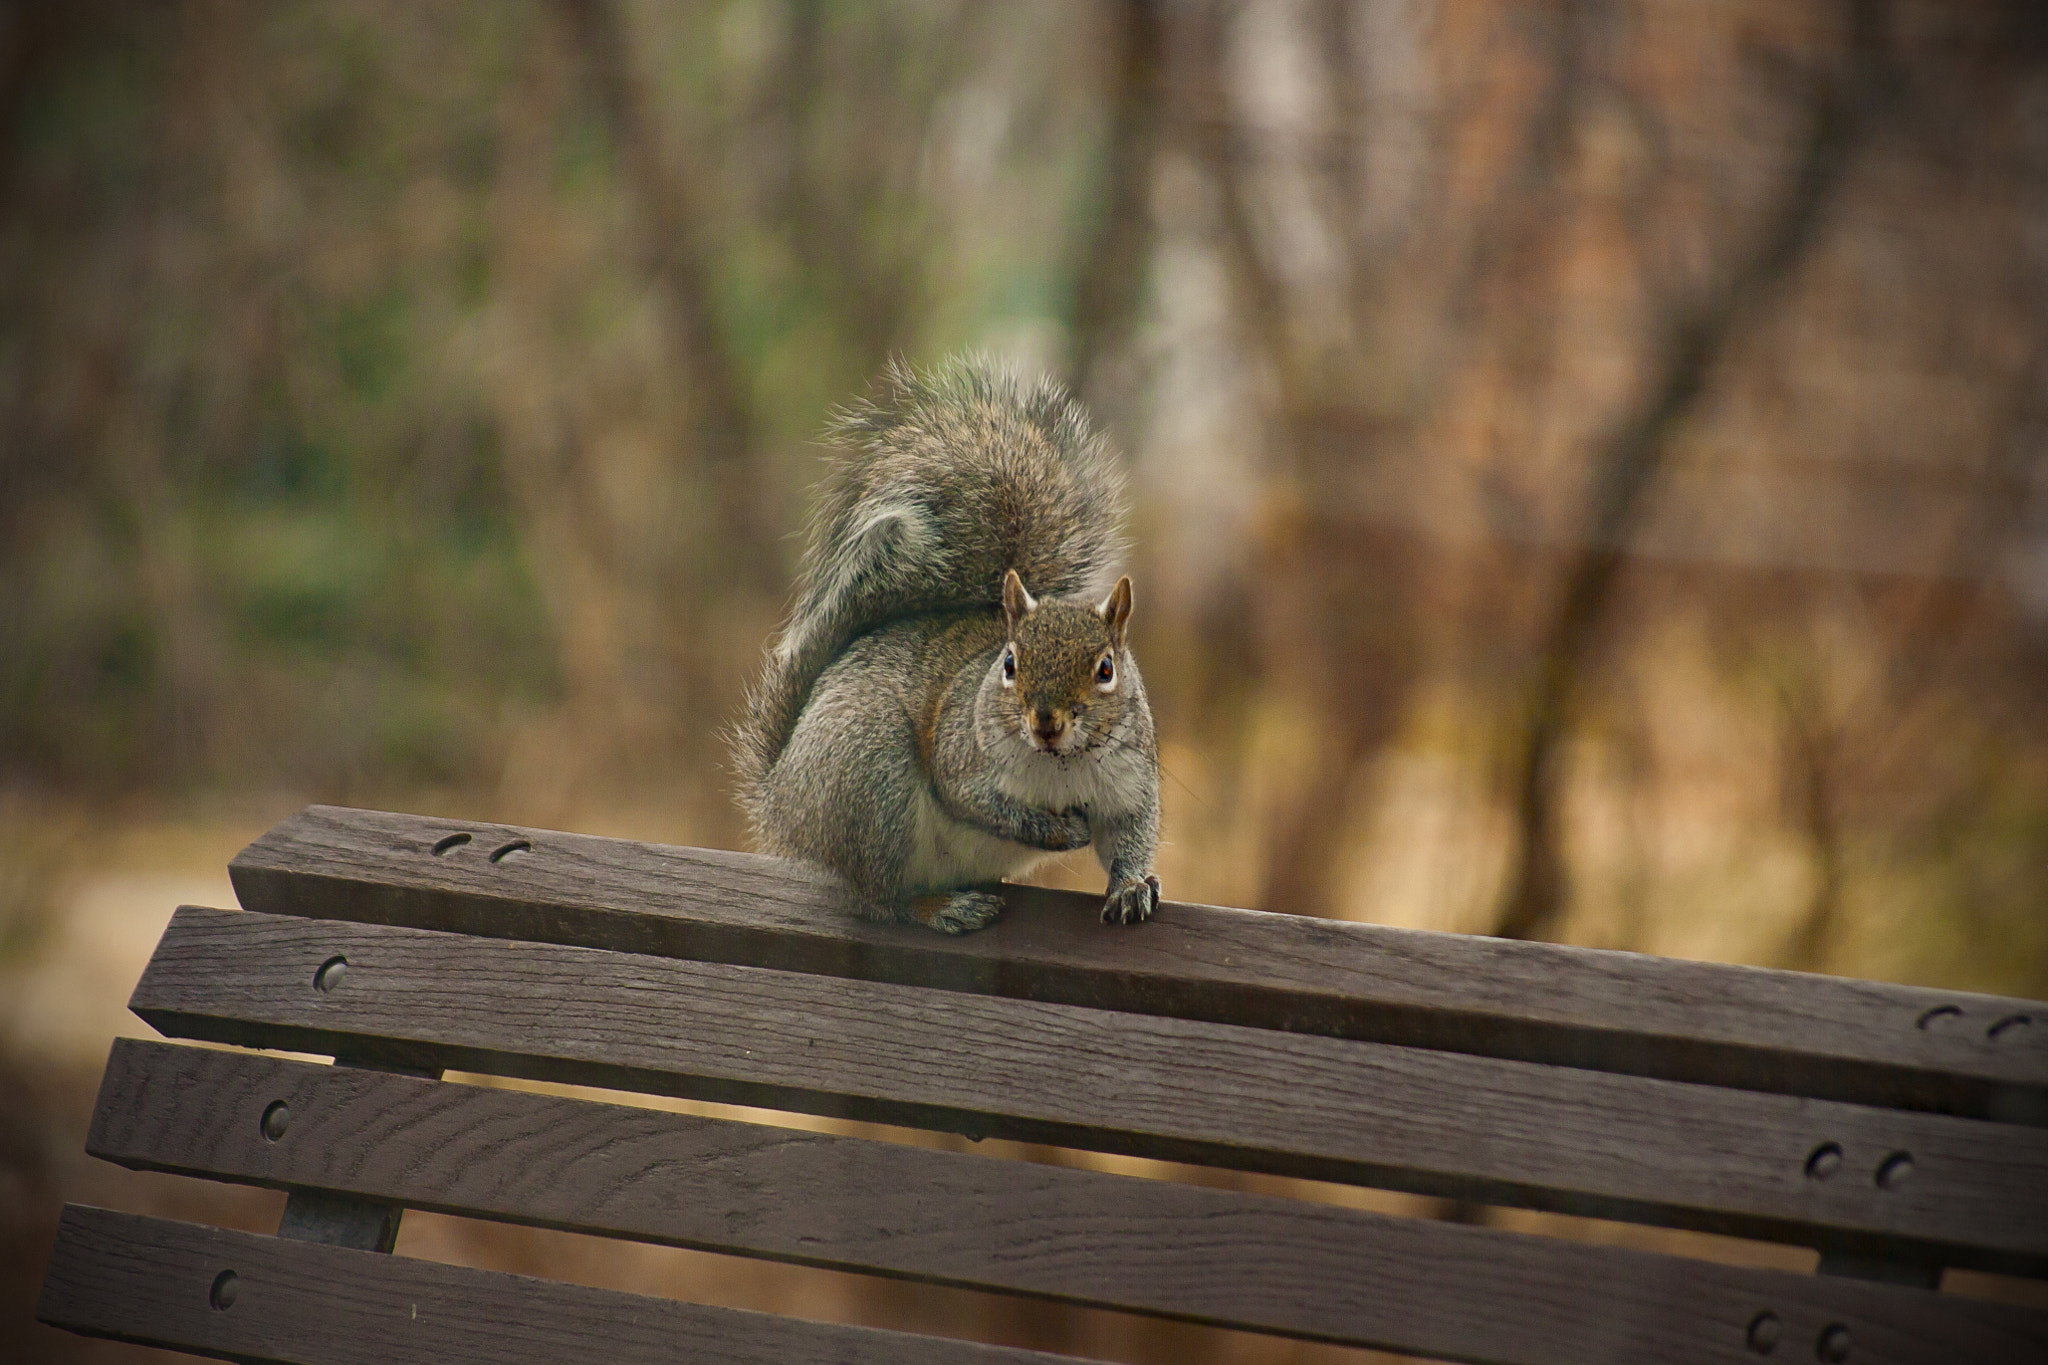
(1629,458)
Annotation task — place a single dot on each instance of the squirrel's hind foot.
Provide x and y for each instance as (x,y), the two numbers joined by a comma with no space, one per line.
(956,912)
(1131,902)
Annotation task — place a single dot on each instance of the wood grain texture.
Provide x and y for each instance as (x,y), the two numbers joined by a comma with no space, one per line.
(316,1216)
(149,1280)
(1235,1260)
(1472,1127)
(1785,1032)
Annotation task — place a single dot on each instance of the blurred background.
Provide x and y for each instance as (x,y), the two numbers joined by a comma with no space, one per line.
(1590,463)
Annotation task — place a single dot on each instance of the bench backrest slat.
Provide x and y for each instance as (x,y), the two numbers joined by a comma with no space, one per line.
(1474,1127)
(1250,1262)
(1832,1038)
(151,1280)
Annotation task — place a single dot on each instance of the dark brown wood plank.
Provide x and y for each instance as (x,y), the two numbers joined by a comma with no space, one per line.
(152,1281)
(316,1216)
(1787,1032)
(1407,1118)
(1234,1260)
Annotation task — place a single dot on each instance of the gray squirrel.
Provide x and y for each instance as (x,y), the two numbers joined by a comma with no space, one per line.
(950,701)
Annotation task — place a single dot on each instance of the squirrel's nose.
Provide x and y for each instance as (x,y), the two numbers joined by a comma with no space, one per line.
(1046,725)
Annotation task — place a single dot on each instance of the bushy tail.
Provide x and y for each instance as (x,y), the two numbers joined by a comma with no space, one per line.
(942,482)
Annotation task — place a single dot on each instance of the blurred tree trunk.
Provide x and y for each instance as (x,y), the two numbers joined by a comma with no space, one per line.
(675,254)
(861,97)
(1865,743)
(1810,762)
(32,37)
(870,298)
(1340,593)
(1333,595)
(1627,461)
(568,540)
(1114,255)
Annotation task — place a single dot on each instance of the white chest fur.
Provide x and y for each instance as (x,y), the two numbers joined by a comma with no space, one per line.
(1107,781)
(945,853)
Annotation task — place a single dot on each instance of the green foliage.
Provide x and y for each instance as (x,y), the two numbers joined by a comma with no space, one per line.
(306,360)
(276,538)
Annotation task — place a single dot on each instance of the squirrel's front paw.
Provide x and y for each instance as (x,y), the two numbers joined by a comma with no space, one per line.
(1069,831)
(1131,902)
(957,912)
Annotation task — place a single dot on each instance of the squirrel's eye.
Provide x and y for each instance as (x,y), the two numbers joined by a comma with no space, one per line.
(1009,665)
(1105,672)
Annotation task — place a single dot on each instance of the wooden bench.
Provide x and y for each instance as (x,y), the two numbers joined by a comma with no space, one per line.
(1899,1131)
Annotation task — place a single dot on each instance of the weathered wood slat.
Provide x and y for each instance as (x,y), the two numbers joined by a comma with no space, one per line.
(319,1216)
(1787,1032)
(1725,1160)
(154,1281)
(1243,1261)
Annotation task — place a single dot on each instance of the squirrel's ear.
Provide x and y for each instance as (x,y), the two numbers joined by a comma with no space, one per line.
(1116,610)
(1017,603)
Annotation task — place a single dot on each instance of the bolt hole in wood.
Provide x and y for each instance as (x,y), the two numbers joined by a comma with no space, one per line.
(2014,1026)
(1764,1331)
(1940,1016)
(448,841)
(513,849)
(226,1286)
(1824,1161)
(276,1119)
(331,974)
(1893,1170)
(1833,1346)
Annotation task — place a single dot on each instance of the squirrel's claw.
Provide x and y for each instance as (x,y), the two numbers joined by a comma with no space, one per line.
(1131,902)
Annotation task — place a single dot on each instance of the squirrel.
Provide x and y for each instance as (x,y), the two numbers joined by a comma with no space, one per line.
(949,702)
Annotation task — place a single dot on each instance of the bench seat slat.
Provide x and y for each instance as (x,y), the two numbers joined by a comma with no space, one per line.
(1475,1127)
(1243,1261)
(150,1280)
(1827,1037)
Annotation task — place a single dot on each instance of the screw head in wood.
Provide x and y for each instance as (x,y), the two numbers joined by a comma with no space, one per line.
(331,973)
(276,1119)
(2013,1028)
(1833,1346)
(1940,1016)
(1893,1170)
(1824,1161)
(1763,1334)
(226,1286)
(449,841)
